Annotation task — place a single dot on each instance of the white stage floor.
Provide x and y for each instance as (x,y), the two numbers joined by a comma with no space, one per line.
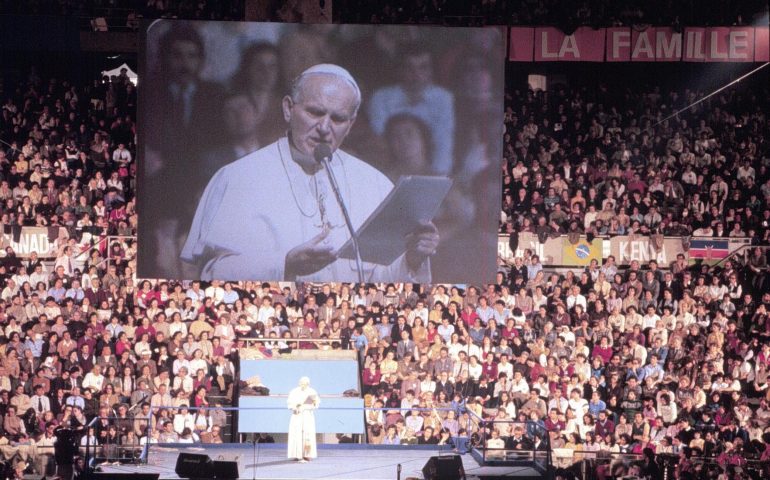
(344,462)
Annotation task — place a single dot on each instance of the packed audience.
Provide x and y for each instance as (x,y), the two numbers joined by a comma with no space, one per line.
(653,359)
(127,13)
(594,13)
(644,361)
(81,337)
(608,161)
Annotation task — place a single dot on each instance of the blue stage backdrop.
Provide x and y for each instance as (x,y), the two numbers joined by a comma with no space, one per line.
(327,377)
(330,378)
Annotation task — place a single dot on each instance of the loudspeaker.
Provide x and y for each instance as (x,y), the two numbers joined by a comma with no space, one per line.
(447,467)
(225,470)
(193,465)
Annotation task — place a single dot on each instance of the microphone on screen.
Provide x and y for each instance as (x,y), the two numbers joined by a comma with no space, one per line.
(323,155)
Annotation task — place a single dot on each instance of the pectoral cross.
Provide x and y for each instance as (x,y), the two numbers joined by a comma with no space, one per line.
(325,222)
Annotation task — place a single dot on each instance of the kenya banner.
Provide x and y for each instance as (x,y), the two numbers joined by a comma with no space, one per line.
(626,249)
(653,44)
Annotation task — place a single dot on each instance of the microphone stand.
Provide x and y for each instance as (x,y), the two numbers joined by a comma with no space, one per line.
(302,429)
(254,457)
(325,161)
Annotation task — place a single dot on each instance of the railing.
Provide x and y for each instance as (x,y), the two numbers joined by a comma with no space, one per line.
(461,443)
(582,462)
(103,244)
(133,448)
(293,348)
(82,257)
(112,238)
(120,448)
(586,464)
(37,454)
(538,454)
(248,340)
(592,465)
(606,464)
(743,249)
(228,429)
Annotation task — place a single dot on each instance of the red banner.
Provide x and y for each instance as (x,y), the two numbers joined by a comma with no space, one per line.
(653,44)
(521,44)
(668,44)
(730,44)
(694,45)
(618,44)
(762,44)
(585,45)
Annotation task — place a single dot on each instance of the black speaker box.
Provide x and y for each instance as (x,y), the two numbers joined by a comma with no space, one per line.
(124,476)
(225,470)
(447,467)
(193,465)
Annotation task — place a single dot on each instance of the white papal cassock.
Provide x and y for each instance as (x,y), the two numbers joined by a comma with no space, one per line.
(302,442)
(256,209)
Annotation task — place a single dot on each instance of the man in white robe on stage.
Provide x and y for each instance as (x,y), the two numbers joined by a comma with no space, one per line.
(302,401)
(273,215)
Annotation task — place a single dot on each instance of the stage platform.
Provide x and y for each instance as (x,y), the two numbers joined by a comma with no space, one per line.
(341,461)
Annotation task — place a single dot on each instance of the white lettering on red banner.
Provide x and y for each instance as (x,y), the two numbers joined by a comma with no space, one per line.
(654,44)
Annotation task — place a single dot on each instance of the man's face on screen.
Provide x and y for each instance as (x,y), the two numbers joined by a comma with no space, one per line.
(241,116)
(418,71)
(184,61)
(408,144)
(323,111)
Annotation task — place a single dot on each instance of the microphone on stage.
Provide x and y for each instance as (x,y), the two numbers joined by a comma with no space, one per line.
(323,155)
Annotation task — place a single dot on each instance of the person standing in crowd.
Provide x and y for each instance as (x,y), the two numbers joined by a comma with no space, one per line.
(418,95)
(183,103)
(303,400)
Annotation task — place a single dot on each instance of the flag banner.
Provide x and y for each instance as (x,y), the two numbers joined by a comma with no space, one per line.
(709,249)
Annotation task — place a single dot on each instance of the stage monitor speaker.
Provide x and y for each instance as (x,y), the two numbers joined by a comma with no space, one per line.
(194,465)
(124,476)
(225,470)
(447,467)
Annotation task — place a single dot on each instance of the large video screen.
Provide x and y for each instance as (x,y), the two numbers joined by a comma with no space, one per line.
(264,148)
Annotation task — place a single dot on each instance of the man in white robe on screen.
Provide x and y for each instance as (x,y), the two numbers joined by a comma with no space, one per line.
(273,215)
(302,401)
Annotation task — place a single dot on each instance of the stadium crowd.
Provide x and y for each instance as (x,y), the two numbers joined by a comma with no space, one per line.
(671,359)
(595,13)
(602,161)
(126,13)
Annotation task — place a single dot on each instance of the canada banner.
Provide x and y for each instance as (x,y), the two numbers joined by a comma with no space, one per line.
(652,44)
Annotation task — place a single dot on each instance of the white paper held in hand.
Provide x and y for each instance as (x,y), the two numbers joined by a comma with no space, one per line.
(414,200)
